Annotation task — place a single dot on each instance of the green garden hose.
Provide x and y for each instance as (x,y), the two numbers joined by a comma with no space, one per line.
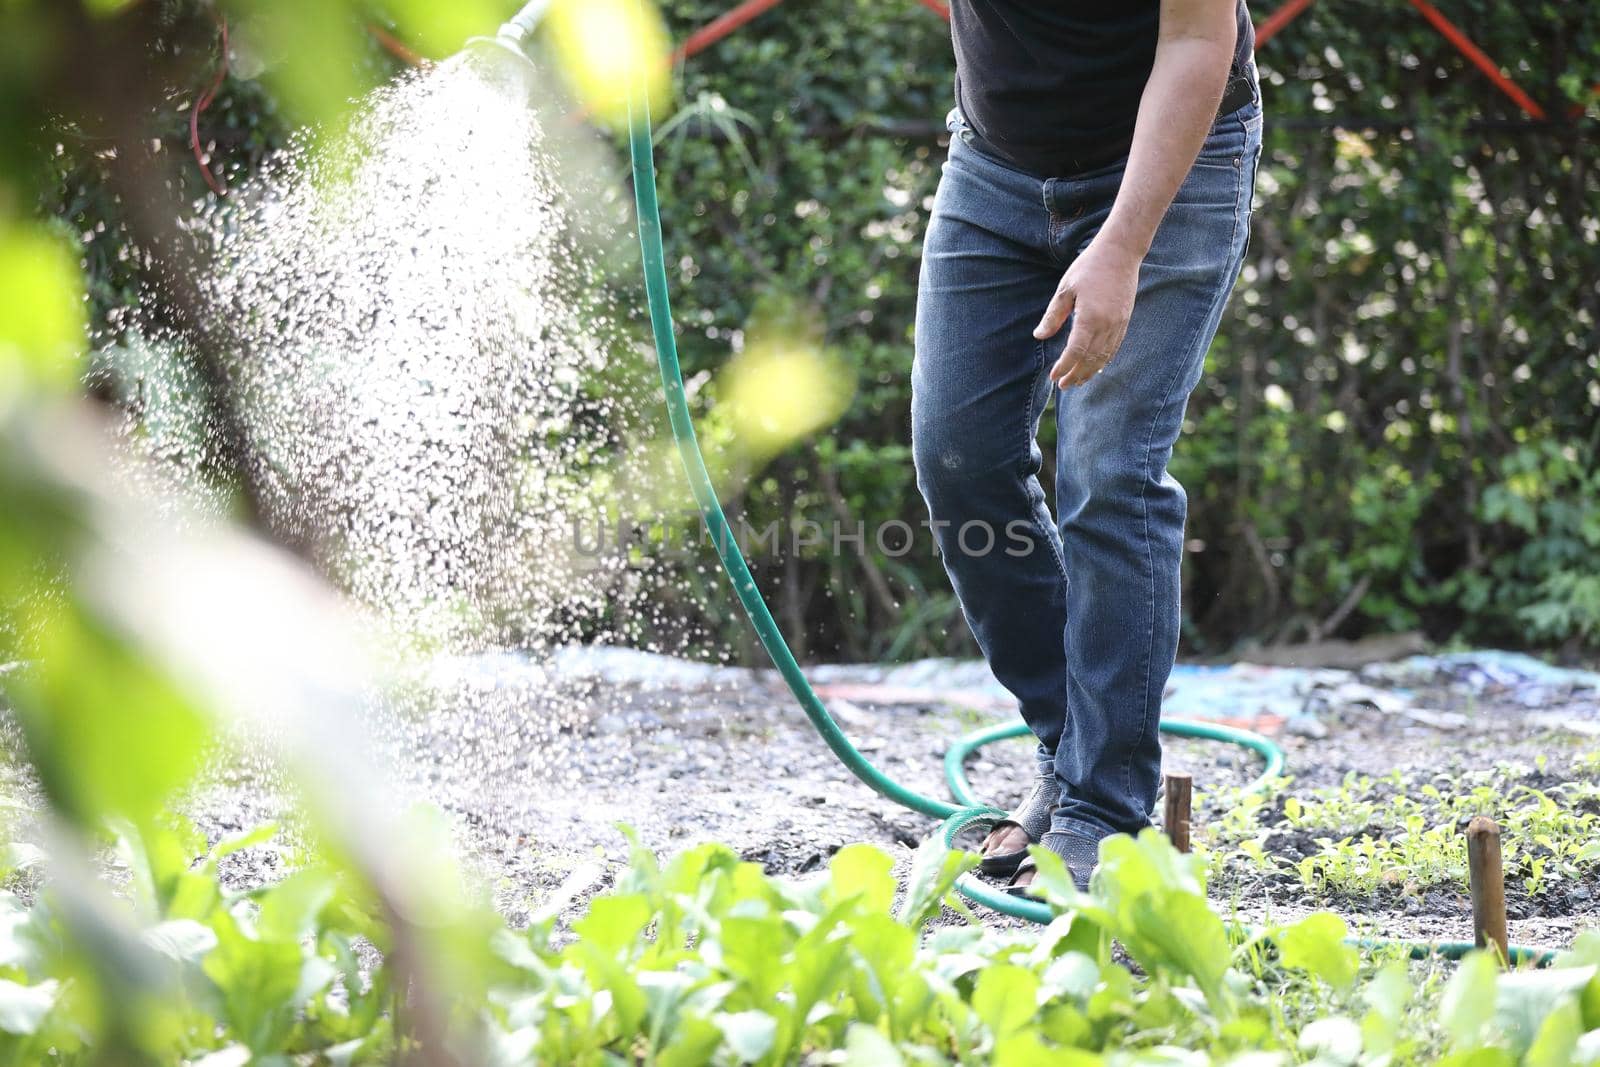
(967,811)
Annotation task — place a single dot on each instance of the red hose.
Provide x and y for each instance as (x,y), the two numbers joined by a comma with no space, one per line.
(395,46)
(720,27)
(200,105)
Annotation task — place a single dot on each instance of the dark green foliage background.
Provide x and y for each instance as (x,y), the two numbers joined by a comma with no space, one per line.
(1399,421)
(1400,418)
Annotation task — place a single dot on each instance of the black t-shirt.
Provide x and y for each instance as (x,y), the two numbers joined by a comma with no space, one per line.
(1053,86)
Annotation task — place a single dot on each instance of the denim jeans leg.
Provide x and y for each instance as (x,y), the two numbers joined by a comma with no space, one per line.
(1121,514)
(1079,621)
(978,390)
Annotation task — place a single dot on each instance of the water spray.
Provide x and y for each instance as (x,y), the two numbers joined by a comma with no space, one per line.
(966,811)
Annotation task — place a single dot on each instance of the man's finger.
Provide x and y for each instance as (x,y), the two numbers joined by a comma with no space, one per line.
(1062,369)
(1092,363)
(1102,350)
(1086,369)
(1060,307)
(1080,349)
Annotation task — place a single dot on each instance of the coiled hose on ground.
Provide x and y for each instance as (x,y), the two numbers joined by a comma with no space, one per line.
(967,811)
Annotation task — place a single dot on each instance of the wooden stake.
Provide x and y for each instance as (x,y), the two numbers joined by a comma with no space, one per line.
(1488,881)
(1176,819)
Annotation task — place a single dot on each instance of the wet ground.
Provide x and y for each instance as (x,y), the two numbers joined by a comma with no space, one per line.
(691,754)
(538,767)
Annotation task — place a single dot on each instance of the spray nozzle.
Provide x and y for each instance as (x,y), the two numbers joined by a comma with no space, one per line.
(503,58)
(521,25)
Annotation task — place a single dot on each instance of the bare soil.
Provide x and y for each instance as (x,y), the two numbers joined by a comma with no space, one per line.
(685,754)
(729,757)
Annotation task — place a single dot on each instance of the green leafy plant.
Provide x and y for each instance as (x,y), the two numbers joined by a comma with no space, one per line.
(1375,837)
(705,959)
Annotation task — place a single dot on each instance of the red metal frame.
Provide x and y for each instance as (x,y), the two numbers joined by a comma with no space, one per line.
(737,16)
(1478,58)
(742,13)
(1278,20)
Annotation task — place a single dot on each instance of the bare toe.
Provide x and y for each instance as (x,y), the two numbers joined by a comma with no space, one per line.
(1010,839)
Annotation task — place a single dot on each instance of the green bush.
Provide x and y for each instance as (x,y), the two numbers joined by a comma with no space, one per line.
(1549,495)
(1413,316)
(1411,348)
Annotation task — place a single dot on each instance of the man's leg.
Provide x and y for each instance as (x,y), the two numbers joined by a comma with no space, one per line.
(1121,514)
(978,389)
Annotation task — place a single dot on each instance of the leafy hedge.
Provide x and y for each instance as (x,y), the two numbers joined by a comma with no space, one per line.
(1400,421)
(707,960)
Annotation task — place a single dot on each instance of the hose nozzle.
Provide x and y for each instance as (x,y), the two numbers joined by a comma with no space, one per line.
(521,25)
(503,58)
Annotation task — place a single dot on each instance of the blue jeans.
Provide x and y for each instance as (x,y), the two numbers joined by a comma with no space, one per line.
(1078,615)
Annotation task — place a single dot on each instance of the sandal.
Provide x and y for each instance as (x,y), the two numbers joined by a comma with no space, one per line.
(1080,854)
(1032,817)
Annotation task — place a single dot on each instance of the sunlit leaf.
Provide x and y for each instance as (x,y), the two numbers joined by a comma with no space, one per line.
(1024,1049)
(866,1046)
(1467,1006)
(18,940)
(1316,944)
(862,871)
(257,980)
(183,940)
(749,1034)
(692,1044)
(438,30)
(749,947)
(934,870)
(1555,1044)
(1526,1001)
(1152,899)
(1386,997)
(310,51)
(781,392)
(1335,1041)
(289,909)
(42,319)
(23,1007)
(606,48)
(614,921)
(1005,998)
(109,731)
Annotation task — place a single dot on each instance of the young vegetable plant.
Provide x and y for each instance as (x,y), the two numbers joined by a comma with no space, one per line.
(704,959)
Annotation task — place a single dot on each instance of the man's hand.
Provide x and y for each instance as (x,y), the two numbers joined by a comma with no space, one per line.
(1097,291)
(1194,48)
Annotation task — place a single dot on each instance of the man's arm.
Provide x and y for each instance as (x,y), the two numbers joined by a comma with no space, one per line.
(1194,51)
